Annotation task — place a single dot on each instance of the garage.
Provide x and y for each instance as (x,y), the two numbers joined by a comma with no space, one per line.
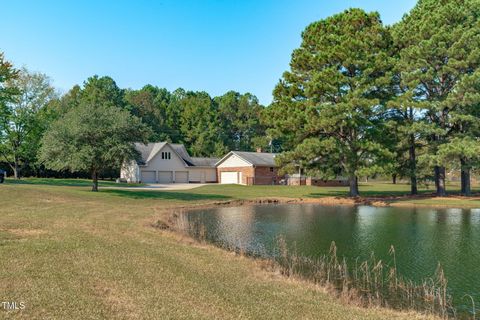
(148,177)
(181,176)
(229,177)
(165,177)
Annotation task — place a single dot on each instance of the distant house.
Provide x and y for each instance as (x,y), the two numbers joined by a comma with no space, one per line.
(248,168)
(164,162)
(301,180)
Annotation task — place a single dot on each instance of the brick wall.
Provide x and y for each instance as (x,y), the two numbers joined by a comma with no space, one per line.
(325,183)
(264,176)
(247,172)
(251,175)
(309,181)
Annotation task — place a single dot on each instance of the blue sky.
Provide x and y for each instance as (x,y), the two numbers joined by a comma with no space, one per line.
(213,46)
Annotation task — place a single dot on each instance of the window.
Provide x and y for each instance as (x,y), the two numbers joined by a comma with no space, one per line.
(271,169)
(166,155)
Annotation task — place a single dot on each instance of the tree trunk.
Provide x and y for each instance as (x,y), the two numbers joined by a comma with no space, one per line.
(465,178)
(440,181)
(413,166)
(394,178)
(16,169)
(413,185)
(95,181)
(353,182)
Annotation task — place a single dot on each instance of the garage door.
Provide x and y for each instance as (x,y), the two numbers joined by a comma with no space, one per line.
(181,176)
(165,177)
(229,177)
(148,177)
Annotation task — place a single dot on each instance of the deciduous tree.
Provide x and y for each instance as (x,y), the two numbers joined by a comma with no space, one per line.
(23,120)
(94,136)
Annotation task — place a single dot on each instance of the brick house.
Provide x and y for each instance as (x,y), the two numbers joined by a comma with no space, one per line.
(248,168)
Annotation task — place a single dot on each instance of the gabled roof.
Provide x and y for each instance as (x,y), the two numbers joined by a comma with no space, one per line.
(156,148)
(150,150)
(182,152)
(261,159)
(144,150)
(205,162)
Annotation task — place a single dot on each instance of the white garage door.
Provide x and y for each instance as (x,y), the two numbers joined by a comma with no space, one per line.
(165,176)
(229,177)
(181,176)
(148,177)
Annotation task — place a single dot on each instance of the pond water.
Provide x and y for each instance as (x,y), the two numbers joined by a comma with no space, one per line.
(422,237)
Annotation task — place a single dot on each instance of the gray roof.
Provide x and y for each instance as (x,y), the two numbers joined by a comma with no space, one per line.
(182,152)
(148,151)
(145,150)
(205,162)
(262,159)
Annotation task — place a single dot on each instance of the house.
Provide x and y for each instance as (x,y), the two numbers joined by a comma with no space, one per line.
(248,168)
(164,162)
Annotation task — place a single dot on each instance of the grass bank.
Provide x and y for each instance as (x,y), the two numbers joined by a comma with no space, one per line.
(68,253)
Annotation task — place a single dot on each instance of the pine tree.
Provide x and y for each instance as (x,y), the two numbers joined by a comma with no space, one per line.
(438,42)
(331,99)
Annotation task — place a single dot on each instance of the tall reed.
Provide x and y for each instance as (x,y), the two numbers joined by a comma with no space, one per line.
(371,282)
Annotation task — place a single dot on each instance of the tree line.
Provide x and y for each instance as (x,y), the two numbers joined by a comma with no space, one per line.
(90,129)
(363,98)
(360,99)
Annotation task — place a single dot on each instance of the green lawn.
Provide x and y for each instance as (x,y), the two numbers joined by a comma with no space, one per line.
(69,182)
(387,192)
(68,253)
(390,193)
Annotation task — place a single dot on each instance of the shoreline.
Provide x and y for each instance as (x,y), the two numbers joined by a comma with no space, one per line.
(387,201)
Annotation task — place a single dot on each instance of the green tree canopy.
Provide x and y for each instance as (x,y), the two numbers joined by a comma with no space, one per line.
(94,136)
(331,99)
(151,105)
(239,118)
(199,124)
(438,42)
(23,119)
(7,73)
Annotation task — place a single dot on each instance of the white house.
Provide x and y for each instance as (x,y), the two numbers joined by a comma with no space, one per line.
(164,162)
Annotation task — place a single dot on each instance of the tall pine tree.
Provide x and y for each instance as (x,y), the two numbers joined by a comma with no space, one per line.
(331,99)
(438,41)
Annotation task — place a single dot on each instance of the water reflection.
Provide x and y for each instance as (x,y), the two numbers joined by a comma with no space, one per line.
(422,237)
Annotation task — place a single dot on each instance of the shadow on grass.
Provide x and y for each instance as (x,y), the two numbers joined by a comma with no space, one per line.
(370,193)
(67,182)
(164,195)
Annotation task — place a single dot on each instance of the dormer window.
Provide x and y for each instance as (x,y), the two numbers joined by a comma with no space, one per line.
(166,155)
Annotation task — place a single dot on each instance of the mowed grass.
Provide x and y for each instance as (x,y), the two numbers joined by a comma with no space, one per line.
(68,253)
(386,192)
(69,182)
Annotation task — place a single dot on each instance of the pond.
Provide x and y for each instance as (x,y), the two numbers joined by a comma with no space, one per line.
(422,237)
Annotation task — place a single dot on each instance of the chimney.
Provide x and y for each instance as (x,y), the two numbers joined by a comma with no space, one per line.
(259,149)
